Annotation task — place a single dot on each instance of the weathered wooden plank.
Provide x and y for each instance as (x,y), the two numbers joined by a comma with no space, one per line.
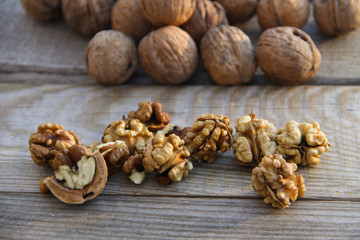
(37,216)
(33,52)
(89,109)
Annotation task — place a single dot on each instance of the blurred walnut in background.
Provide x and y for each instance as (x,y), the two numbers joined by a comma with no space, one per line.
(43,10)
(238,11)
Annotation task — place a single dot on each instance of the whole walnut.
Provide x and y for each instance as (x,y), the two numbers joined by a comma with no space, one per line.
(238,11)
(228,55)
(43,10)
(111,57)
(287,55)
(274,13)
(88,16)
(207,15)
(126,16)
(337,17)
(169,55)
(168,12)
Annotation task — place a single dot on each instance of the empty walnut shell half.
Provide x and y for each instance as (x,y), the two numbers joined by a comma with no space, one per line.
(337,17)
(275,13)
(238,11)
(43,10)
(287,55)
(169,55)
(228,55)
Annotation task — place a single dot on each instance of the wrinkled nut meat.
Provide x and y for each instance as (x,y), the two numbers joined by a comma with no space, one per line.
(87,16)
(337,17)
(169,55)
(303,143)
(80,176)
(43,10)
(254,139)
(126,17)
(207,15)
(111,57)
(48,140)
(238,11)
(210,133)
(287,55)
(228,55)
(275,13)
(134,169)
(168,12)
(275,179)
(152,114)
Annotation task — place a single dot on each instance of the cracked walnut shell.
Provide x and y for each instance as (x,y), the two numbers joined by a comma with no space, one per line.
(238,11)
(337,17)
(275,179)
(254,139)
(275,13)
(287,55)
(210,133)
(48,140)
(43,10)
(303,143)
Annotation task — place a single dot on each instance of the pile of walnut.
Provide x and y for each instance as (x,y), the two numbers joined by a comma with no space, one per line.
(166,34)
(145,142)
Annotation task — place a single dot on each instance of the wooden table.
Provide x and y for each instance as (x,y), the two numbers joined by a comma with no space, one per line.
(43,79)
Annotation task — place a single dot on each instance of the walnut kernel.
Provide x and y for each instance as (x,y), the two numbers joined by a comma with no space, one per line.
(43,10)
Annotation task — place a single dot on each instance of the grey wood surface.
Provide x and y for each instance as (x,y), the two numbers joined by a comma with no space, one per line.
(43,79)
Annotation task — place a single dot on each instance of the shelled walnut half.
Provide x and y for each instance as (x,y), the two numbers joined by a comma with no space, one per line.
(254,139)
(275,179)
(80,175)
(302,142)
(48,140)
(210,133)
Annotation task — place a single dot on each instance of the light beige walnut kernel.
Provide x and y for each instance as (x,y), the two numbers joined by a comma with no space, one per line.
(238,11)
(275,179)
(302,142)
(48,140)
(43,10)
(209,133)
(254,139)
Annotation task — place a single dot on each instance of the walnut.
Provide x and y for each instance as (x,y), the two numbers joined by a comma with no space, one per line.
(134,169)
(302,142)
(207,15)
(337,17)
(49,139)
(275,179)
(228,55)
(111,57)
(43,10)
(134,133)
(287,55)
(238,11)
(168,12)
(210,133)
(274,13)
(80,176)
(87,16)
(126,16)
(254,139)
(169,55)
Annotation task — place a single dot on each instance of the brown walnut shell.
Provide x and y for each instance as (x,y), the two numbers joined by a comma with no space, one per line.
(275,13)
(111,57)
(337,17)
(169,55)
(287,55)
(238,11)
(43,10)
(228,55)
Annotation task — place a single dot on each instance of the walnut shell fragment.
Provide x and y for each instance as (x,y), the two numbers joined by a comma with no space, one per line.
(303,143)
(238,11)
(254,139)
(275,13)
(275,179)
(169,55)
(337,17)
(43,10)
(210,133)
(208,14)
(48,140)
(287,55)
(228,55)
